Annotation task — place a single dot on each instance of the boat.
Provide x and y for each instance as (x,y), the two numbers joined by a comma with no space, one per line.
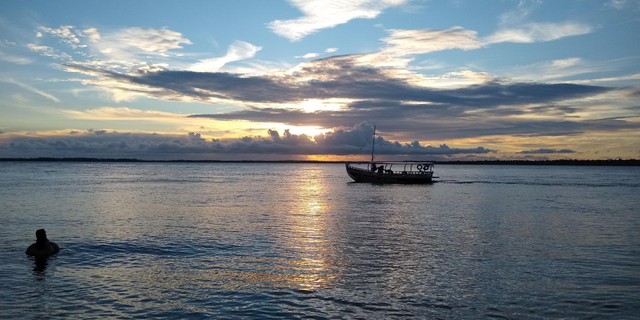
(390,171)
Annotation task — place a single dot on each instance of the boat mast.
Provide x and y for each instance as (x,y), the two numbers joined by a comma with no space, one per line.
(373,143)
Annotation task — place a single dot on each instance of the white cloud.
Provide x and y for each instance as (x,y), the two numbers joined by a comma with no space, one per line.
(127,44)
(322,14)
(237,51)
(402,44)
(313,55)
(67,34)
(565,63)
(310,55)
(48,52)
(538,32)
(123,48)
(153,41)
(92,34)
(411,42)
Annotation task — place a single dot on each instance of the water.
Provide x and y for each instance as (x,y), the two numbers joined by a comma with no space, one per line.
(193,240)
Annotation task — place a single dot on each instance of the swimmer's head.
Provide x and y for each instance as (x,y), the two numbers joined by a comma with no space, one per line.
(41,236)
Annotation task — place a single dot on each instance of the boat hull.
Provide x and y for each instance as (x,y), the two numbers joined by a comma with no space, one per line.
(361,175)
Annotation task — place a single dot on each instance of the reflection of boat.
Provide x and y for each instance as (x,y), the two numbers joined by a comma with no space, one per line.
(390,171)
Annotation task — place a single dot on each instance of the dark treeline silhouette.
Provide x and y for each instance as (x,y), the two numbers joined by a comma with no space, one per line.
(566,162)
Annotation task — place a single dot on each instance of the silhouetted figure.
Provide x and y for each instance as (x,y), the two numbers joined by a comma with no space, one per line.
(43,247)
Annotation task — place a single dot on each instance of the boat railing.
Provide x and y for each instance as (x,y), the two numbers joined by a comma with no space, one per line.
(398,167)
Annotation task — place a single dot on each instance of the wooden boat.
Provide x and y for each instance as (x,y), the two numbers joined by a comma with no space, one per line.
(390,171)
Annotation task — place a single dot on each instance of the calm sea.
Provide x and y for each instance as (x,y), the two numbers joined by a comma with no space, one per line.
(224,240)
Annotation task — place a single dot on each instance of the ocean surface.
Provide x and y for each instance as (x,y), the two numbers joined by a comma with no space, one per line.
(259,241)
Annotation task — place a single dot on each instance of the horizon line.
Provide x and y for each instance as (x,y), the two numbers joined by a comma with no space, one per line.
(599,162)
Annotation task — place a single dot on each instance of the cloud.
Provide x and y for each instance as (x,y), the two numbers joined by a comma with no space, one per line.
(621,80)
(112,144)
(434,122)
(147,40)
(310,55)
(516,27)
(334,78)
(547,151)
(368,93)
(401,45)
(118,49)
(92,34)
(624,4)
(538,32)
(30,89)
(323,14)
(520,14)
(413,42)
(66,34)
(5,56)
(313,55)
(239,50)
(14,59)
(49,52)
(555,70)
(121,113)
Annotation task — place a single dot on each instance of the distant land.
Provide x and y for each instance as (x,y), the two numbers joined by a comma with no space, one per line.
(611,162)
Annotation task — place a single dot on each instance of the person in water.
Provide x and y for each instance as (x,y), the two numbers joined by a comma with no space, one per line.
(43,247)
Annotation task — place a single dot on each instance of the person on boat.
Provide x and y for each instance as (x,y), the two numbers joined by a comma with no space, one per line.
(373,167)
(43,247)
(381,169)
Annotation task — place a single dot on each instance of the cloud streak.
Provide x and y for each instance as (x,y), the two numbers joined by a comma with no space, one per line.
(30,89)
(538,32)
(239,50)
(121,113)
(547,151)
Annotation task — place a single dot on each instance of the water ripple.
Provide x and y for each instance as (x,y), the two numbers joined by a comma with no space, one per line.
(256,241)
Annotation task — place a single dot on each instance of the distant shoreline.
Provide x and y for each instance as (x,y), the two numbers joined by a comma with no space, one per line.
(616,162)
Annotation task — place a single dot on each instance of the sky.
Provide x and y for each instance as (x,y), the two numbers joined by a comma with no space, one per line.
(309,79)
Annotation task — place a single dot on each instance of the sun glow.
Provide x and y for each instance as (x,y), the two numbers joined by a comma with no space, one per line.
(310,131)
(315,105)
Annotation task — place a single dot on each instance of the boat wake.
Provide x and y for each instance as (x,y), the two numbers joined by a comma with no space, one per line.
(543,183)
